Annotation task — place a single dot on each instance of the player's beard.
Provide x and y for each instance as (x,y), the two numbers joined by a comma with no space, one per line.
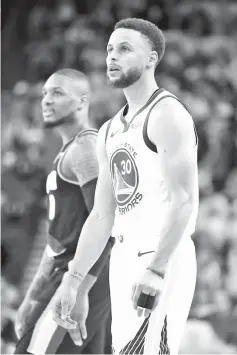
(59,122)
(126,80)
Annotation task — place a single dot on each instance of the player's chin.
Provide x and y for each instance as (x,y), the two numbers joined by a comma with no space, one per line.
(115,83)
(50,122)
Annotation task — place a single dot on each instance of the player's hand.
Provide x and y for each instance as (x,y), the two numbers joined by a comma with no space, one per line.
(63,304)
(149,284)
(23,316)
(79,314)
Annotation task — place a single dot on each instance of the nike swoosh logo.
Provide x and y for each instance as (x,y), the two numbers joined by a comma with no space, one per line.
(136,124)
(113,133)
(146,252)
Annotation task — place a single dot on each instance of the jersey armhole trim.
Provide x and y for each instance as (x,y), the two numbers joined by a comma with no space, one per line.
(87,131)
(146,139)
(74,182)
(196,135)
(107,130)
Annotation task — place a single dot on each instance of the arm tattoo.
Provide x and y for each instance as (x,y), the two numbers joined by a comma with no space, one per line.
(77,276)
(84,162)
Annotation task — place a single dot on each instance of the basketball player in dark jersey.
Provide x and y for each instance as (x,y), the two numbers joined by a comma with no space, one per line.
(70,188)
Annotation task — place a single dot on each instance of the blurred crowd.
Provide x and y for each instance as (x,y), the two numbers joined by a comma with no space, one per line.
(199,66)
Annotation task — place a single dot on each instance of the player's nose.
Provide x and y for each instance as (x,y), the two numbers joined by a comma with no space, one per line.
(113,56)
(47,100)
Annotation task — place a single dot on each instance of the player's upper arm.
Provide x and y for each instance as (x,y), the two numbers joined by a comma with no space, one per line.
(104,204)
(171,129)
(84,165)
(83,160)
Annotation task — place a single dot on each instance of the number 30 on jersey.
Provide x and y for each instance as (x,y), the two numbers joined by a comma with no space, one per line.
(124,176)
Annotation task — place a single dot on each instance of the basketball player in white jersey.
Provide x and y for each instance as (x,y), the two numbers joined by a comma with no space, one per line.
(147,194)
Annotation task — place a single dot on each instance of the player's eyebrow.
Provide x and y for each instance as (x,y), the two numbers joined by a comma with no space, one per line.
(52,88)
(119,44)
(109,45)
(125,42)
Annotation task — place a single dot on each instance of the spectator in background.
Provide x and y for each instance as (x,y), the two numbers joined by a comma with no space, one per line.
(23,182)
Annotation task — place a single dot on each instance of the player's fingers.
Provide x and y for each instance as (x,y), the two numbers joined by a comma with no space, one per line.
(152,292)
(136,295)
(147,312)
(140,311)
(147,290)
(67,324)
(65,310)
(82,327)
(142,297)
(76,336)
(150,303)
(71,321)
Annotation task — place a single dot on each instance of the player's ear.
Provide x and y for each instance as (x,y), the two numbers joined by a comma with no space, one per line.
(153,59)
(83,101)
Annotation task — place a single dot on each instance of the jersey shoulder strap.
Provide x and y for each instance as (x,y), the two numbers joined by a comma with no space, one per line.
(107,129)
(110,122)
(88,131)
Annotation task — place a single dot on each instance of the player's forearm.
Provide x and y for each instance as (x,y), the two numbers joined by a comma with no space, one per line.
(93,239)
(41,277)
(90,278)
(172,232)
(103,259)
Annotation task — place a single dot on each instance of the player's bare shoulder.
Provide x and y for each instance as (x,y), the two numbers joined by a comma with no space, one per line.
(82,156)
(171,125)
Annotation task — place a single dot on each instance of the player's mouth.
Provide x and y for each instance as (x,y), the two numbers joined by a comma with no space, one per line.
(113,68)
(48,113)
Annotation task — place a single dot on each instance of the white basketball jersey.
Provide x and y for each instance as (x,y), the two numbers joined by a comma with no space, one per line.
(139,188)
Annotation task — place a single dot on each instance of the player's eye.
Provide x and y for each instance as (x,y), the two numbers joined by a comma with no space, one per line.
(124,49)
(109,50)
(57,93)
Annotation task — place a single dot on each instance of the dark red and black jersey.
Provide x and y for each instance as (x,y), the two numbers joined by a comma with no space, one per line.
(67,210)
(74,167)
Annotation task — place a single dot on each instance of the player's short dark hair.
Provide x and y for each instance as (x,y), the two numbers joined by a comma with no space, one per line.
(148,29)
(72,73)
(75,75)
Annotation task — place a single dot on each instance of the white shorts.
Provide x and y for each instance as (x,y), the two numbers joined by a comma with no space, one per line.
(47,335)
(162,332)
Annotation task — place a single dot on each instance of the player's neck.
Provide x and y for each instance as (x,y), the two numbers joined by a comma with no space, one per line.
(139,93)
(68,132)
